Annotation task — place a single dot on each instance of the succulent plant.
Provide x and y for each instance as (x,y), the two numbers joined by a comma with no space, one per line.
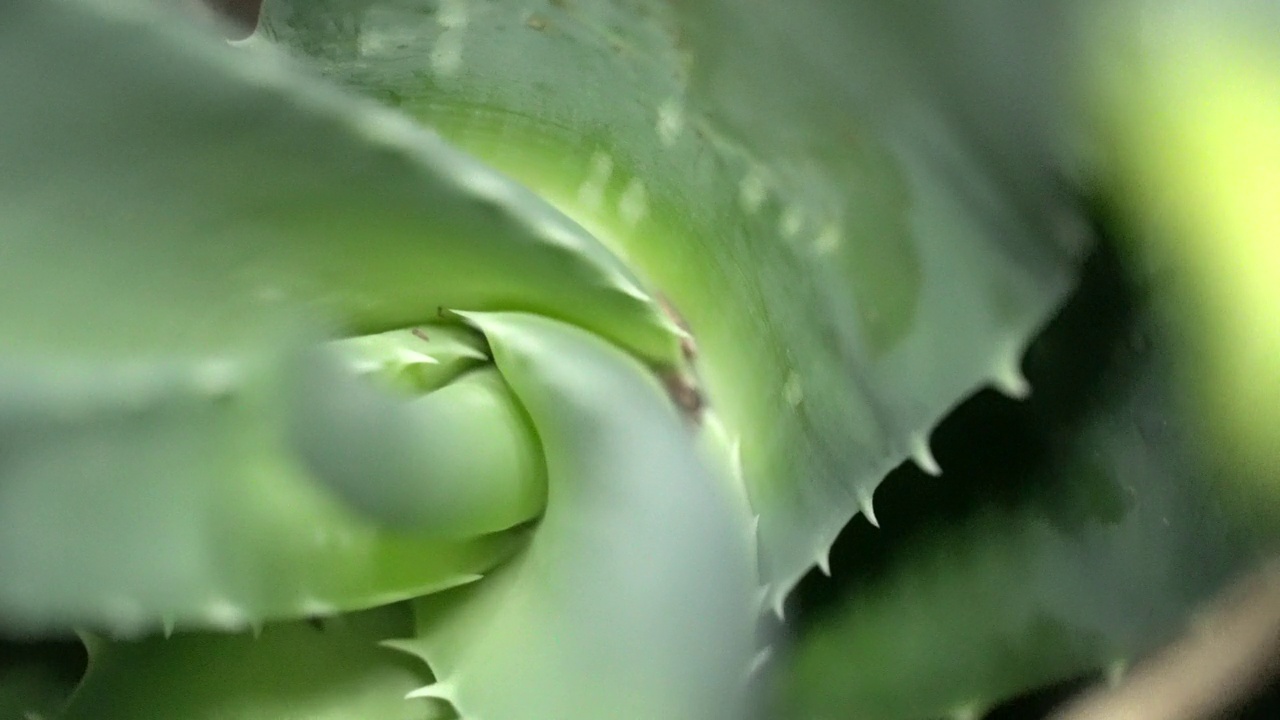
(508,360)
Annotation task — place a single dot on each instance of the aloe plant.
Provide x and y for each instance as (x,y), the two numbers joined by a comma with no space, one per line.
(496,360)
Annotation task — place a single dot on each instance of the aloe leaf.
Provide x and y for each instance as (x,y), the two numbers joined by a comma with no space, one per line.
(417,360)
(180,223)
(635,597)
(852,262)
(1080,532)
(175,195)
(458,462)
(161,504)
(335,671)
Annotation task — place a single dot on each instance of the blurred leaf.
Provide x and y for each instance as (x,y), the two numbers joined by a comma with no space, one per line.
(635,598)
(37,678)
(853,261)
(1189,103)
(1071,533)
(298,670)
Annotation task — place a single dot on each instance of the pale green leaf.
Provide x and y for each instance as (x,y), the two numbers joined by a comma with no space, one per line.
(852,257)
(296,671)
(636,597)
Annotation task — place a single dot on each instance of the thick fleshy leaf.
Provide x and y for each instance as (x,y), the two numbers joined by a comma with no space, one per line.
(330,671)
(458,462)
(635,598)
(1079,531)
(160,502)
(178,220)
(174,194)
(851,260)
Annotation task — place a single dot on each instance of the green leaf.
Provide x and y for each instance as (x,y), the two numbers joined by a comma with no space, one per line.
(298,670)
(37,678)
(132,498)
(177,196)
(458,462)
(635,598)
(852,259)
(181,221)
(1079,531)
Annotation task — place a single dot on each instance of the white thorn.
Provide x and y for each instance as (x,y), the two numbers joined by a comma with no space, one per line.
(1010,380)
(864,504)
(923,457)
(166,626)
(823,562)
(965,712)
(779,606)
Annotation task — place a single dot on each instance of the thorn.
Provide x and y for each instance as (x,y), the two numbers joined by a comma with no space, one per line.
(965,712)
(1010,380)
(823,562)
(779,606)
(255,627)
(438,691)
(923,457)
(864,503)
(166,626)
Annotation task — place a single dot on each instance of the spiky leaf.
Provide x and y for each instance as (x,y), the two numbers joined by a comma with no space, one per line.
(1078,532)
(332,671)
(636,597)
(851,260)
